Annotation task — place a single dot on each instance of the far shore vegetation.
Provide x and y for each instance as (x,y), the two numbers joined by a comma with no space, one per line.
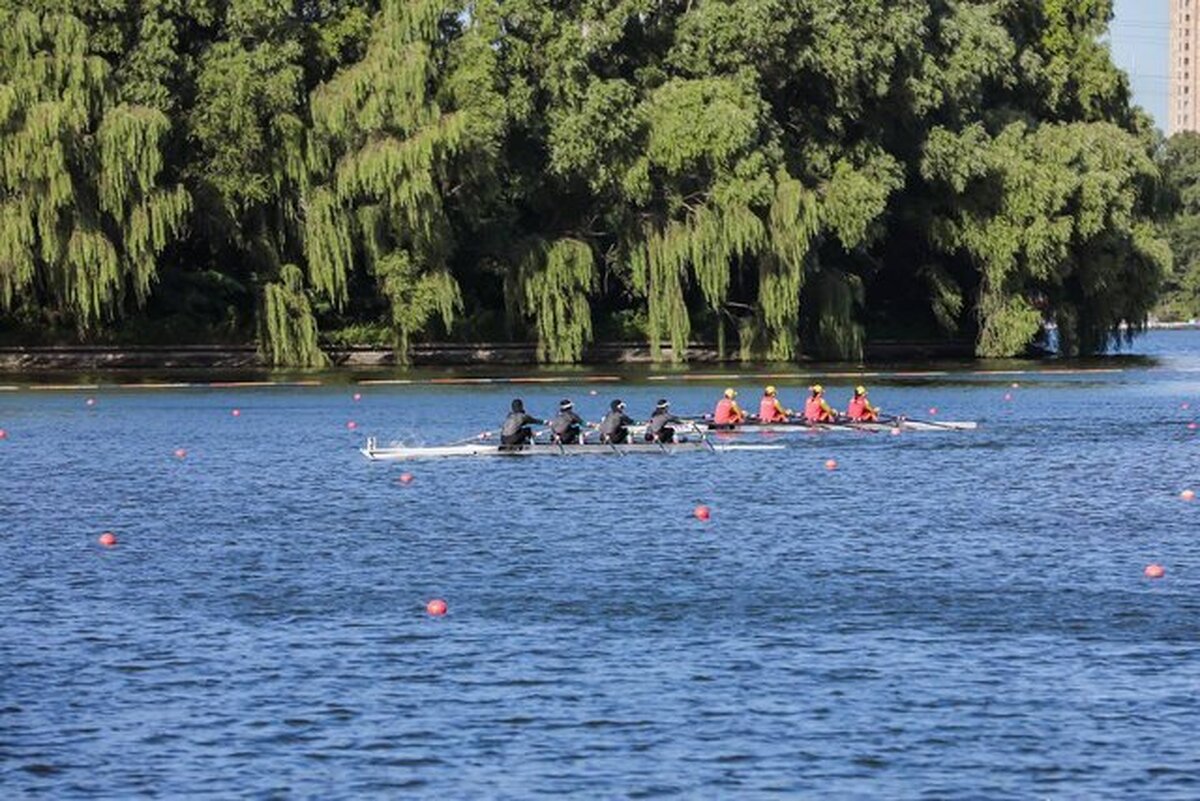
(781,178)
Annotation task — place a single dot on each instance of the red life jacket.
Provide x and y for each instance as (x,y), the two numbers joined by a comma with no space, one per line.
(858,409)
(768,411)
(724,415)
(813,412)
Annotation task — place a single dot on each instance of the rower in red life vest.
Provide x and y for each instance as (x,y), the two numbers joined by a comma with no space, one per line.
(728,413)
(860,409)
(770,410)
(816,410)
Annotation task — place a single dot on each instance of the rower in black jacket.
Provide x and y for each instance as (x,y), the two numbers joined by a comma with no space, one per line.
(566,425)
(516,429)
(659,428)
(614,427)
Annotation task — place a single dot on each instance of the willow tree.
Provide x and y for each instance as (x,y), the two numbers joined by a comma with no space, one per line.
(84,211)
(1055,219)
(249,127)
(289,329)
(386,156)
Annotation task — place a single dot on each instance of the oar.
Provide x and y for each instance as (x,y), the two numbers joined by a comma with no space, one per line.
(703,438)
(901,420)
(480,435)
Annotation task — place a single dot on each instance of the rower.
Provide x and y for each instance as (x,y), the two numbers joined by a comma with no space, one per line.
(566,425)
(728,413)
(770,410)
(816,410)
(516,430)
(860,409)
(659,428)
(614,427)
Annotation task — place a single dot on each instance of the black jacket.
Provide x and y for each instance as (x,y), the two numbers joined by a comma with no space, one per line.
(613,422)
(659,421)
(566,421)
(515,422)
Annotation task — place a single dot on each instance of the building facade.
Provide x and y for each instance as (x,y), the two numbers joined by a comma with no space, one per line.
(1183,114)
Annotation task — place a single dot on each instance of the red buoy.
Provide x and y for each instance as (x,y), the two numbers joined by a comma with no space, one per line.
(436,607)
(357,396)
(3,434)
(831,464)
(702,513)
(236,412)
(108,539)
(351,425)
(1155,571)
(90,402)
(406,478)
(1191,426)
(1008,396)
(933,411)
(1185,406)
(1188,495)
(180,453)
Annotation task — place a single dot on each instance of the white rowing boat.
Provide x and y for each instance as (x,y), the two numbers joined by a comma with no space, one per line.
(375,452)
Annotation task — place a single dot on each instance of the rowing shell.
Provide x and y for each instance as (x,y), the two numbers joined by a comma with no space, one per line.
(801,426)
(395,452)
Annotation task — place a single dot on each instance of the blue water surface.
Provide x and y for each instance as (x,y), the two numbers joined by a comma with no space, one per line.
(944,615)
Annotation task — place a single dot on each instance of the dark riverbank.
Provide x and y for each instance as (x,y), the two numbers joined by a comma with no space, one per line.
(226,357)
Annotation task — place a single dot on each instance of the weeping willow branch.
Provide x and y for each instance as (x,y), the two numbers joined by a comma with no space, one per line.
(84,216)
(555,282)
(795,220)
(290,335)
(415,297)
(380,151)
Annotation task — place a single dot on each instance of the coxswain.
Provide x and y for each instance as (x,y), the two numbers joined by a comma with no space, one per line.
(770,410)
(516,430)
(614,428)
(659,428)
(860,409)
(816,410)
(566,425)
(728,413)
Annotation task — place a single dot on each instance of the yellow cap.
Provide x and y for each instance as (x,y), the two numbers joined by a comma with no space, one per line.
(860,390)
(730,393)
(770,390)
(817,388)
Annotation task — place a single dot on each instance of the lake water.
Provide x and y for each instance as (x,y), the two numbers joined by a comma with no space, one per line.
(944,615)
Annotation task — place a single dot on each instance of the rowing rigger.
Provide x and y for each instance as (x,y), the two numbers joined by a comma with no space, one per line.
(374,452)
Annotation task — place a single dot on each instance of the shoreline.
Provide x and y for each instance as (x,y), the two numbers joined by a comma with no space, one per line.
(65,358)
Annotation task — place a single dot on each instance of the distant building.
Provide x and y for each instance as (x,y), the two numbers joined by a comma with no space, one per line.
(1183,113)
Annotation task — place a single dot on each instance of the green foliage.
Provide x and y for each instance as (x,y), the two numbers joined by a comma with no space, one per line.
(1053,218)
(1181,295)
(556,281)
(84,211)
(291,335)
(792,171)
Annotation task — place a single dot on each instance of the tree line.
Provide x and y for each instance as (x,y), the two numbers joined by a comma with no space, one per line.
(780,177)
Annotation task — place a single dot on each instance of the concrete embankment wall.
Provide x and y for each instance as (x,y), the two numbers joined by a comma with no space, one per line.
(98,357)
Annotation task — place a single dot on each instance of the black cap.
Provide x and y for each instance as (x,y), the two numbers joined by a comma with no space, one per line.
(517,405)
(662,403)
(617,405)
(565,404)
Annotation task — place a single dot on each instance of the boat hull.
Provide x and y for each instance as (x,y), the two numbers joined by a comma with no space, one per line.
(402,453)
